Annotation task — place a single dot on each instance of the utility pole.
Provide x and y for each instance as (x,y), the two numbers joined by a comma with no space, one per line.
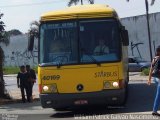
(148,27)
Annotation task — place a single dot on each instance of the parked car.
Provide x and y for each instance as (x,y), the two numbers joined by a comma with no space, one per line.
(137,64)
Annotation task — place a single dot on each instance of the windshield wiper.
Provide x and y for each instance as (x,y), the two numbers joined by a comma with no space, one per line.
(90,56)
(47,64)
(58,64)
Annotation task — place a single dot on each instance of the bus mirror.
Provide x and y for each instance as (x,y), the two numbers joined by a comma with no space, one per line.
(30,42)
(125,37)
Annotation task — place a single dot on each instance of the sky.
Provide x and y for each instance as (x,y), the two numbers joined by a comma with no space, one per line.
(18,14)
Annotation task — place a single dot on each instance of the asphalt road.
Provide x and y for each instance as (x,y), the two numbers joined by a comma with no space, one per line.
(139,105)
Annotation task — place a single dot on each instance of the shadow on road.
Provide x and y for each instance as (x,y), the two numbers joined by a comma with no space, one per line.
(140,99)
(27,106)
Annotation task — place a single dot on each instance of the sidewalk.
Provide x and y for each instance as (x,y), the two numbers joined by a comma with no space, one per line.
(14,91)
(136,76)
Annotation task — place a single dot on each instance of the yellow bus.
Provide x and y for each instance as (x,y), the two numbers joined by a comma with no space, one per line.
(83,58)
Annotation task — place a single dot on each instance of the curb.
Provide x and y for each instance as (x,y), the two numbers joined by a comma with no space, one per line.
(13,75)
(10,75)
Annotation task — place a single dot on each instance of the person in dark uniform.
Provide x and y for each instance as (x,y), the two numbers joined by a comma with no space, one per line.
(23,83)
(32,80)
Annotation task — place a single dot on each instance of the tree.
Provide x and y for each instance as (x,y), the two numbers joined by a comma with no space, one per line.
(34,28)
(4,38)
(152,2)
(77,1)
(14,32)
(33,34)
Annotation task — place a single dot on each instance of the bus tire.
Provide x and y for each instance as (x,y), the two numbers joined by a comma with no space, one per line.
(125,94)
(127,77)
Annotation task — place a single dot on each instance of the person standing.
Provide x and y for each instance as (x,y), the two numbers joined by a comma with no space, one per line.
(156,78)
(32,79)
(23,83)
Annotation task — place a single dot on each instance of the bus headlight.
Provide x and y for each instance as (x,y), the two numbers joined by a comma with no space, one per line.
(45,88)
(50,88)
(115,84)
(53,88)
(107,85)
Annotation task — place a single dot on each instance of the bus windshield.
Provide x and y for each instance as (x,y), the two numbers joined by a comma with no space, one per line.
(80,42)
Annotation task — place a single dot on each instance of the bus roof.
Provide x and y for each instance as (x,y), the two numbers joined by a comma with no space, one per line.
(81,11)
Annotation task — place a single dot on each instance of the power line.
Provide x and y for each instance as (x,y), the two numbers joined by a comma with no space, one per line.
(30,4)
(56,1)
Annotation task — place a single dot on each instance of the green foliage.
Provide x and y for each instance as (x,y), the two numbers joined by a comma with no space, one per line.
(4,37)
(35,68)
(145,72)
(10,70)
(14,32)
(71,2)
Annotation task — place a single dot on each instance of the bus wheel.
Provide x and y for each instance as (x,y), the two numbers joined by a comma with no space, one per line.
(127,77)
(125,94)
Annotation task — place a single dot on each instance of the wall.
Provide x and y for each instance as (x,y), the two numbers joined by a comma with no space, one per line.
(137,28)
(16,53)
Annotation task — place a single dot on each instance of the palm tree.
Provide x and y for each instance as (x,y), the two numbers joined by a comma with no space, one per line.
(77,1)
(34,28)
(33,34)
(152,2)
(4,38)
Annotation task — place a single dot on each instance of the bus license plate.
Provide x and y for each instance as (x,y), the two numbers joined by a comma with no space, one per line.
(81,102)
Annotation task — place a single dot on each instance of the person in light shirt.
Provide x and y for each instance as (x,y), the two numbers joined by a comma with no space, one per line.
(101,49)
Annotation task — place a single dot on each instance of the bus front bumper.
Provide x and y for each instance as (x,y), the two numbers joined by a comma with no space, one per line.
(67,100)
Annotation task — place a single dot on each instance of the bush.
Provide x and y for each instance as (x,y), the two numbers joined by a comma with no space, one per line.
(35,68)
(145,72)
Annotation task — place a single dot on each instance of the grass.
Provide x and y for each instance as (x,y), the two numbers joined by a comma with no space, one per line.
(35,68)
(14,70)
(145,72)
(10,70)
